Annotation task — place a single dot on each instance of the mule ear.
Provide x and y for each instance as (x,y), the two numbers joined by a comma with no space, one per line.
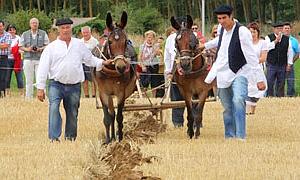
(189,20)
(123,20)
(174,23)
(109,22)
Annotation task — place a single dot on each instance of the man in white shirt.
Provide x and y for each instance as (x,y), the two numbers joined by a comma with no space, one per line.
(90,43)
(61,62)
(169,58)
(236,61)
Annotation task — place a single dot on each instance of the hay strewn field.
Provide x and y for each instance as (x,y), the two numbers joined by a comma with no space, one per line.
(272,150)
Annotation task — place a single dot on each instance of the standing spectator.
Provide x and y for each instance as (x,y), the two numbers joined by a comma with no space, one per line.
(160,56)
(149,62)
(90,42)
(5,41)
(61,62)
(169,59)
(236,62)
(198,33)
(279,60)
(261,50)
(290,75)
(33,42)
(14,60)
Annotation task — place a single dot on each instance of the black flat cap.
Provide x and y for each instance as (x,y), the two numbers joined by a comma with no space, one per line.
(63,21)
(287,24)
(277,24)
(223,9)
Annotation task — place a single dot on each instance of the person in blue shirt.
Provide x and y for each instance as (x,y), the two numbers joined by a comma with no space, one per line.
(290,75)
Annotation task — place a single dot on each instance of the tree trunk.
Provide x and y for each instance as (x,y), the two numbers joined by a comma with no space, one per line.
(81,8)
(30,4)
(39,5)
(189,7)
(20,6)
(90,8)
(247,10)
(13,2)
(55,5)
(273,11)
(65,4)
(45,6)
(297,10)
(258,11)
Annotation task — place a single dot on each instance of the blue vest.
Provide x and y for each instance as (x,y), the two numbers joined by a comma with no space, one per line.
(236,56)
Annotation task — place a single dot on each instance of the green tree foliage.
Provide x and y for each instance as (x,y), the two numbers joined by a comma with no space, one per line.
(21,20)
(96,24)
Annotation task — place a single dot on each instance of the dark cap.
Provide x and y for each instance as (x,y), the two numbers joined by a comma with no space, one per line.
(223,9)
(287,24)
(277,24)
(63,21)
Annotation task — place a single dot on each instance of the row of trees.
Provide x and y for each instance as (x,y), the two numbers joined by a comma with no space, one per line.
(154,14)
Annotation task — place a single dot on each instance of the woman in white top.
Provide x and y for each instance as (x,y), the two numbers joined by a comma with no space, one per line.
(261,50)
(14,64)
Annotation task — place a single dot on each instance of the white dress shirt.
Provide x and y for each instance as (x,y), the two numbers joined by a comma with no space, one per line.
(271,45)
(220,68)
(64,63)
(170,53)
(91,43)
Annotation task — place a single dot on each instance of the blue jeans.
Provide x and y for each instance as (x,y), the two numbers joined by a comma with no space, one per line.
(19,75)
(275,74)
(177,113)
(290,79)
(233,100)
(70,94)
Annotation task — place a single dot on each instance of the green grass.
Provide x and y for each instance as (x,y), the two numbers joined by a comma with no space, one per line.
(297,77)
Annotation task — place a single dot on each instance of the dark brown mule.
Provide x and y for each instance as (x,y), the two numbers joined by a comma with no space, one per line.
(117,79)
(190,74)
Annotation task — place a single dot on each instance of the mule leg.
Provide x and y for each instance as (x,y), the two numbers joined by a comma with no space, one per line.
(113,116)
(120,119)
(109,116)
(190,117)
(107,122)
(199,113)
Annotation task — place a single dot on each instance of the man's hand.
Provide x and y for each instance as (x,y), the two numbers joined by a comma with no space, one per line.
(40,95)
(169,77)
(288,68)
(261,86)
(201,46)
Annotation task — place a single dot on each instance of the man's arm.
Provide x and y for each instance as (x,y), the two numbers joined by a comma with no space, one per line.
(42,73)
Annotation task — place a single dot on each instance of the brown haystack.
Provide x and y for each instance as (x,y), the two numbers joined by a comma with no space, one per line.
(141,128)
(117,161)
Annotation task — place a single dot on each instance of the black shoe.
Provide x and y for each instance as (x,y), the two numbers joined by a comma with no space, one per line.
(54,140)
(70,138)
(178,125)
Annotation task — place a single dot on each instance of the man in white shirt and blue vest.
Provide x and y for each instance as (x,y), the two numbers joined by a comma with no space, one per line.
(61,62)
(235,62)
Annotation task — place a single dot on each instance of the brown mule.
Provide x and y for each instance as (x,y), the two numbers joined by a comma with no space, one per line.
(117,79)
(190,73)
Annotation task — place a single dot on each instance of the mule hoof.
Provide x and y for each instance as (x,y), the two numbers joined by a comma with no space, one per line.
(197,133)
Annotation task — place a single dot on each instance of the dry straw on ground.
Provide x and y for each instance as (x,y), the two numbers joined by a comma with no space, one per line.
(270,152)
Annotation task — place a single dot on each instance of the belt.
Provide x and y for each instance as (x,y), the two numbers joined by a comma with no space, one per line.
(3,56)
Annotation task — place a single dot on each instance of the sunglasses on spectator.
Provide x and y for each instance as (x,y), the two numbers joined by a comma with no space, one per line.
(215,32)
(194,28)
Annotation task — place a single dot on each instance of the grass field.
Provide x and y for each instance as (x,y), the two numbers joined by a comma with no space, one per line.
(270,152)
